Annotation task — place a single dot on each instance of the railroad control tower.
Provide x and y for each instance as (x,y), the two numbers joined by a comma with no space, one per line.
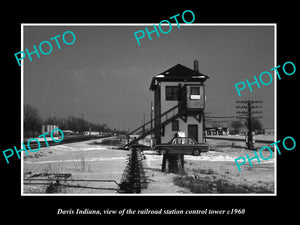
(179,103)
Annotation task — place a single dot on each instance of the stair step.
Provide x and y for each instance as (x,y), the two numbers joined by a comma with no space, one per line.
(134,141)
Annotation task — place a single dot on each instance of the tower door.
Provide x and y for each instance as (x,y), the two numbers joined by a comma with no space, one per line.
(193,131)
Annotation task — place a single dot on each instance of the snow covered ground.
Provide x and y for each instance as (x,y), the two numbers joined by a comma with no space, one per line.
(84,160)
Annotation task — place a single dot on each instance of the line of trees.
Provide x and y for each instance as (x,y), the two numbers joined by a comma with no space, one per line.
(255,125)
(33,123)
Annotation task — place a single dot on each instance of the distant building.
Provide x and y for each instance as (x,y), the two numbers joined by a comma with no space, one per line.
(216,131)
(268,131)
(49,128)
(90,133)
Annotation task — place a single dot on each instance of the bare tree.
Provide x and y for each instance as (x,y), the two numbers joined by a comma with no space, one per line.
(76,124)
(236,125)
(32,121)
(215,124)
(256,125)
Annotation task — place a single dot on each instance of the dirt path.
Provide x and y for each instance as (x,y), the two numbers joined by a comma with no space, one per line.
(159,182)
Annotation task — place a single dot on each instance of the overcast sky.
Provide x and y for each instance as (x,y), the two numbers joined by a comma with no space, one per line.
(106,75)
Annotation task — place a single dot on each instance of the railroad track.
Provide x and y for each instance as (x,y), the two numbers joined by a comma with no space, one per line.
(133,178)
(68,139)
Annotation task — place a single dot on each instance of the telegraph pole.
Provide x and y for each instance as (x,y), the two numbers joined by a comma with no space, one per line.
(143,123)
(82,118)
(151,110)
(247,114)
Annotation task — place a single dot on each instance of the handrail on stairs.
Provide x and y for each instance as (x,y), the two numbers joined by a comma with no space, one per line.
(160,116)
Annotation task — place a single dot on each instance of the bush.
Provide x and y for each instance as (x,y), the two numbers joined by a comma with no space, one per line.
(82,165)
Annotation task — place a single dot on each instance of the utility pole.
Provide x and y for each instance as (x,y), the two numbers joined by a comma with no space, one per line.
(151,125)
(143,123)
(247,114)
(82,118)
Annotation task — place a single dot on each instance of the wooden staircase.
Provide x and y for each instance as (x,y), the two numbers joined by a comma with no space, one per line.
(165,118)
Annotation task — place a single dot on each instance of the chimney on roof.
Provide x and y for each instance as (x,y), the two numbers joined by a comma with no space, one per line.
(196,65)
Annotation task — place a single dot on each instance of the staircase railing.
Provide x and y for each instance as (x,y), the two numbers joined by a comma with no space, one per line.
(148,127)
(164,115)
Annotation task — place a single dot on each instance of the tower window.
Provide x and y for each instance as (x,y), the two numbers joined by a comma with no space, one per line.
(195,92)
(172,93)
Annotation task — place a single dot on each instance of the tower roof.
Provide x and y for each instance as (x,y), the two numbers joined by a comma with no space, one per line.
(178,73)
